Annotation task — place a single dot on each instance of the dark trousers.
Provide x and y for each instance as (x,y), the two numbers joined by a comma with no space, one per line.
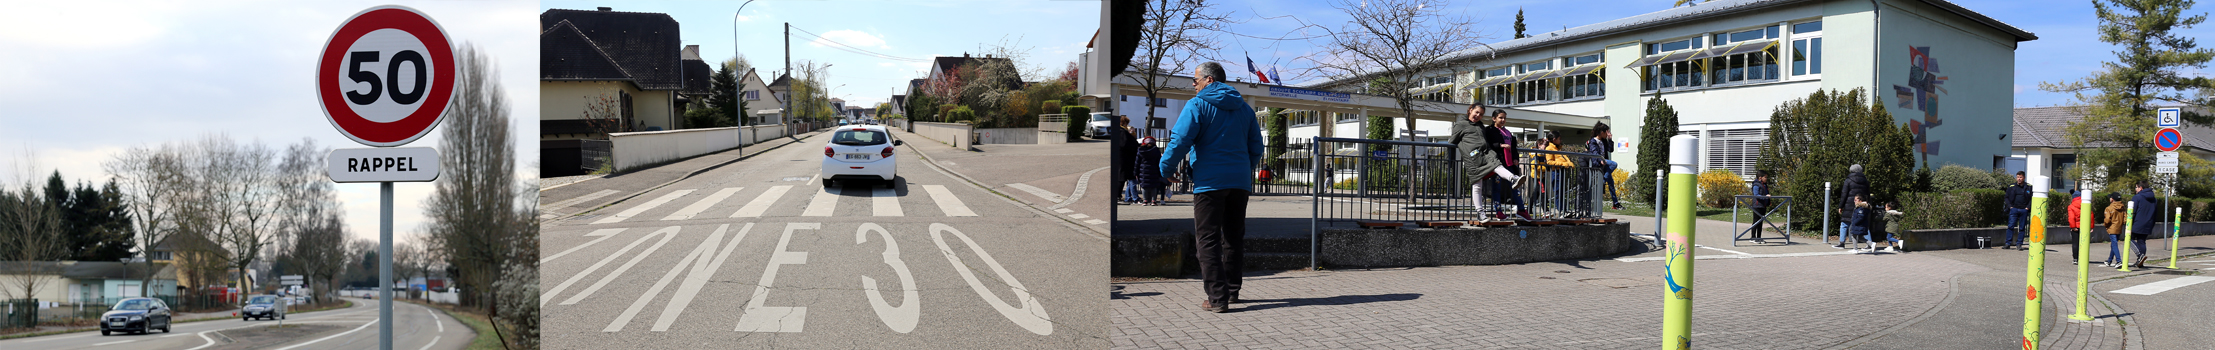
(1219,218)
(1761,217)
(2018,225)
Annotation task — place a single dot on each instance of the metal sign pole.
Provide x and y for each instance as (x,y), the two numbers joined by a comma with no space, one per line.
(384,268)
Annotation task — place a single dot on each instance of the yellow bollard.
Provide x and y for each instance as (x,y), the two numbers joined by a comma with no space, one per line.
(2130,225)
(2176,229)
(1676,304)
(2036,274)
(2085,212)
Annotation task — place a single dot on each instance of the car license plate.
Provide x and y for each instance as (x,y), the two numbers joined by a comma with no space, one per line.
(858,156)
(116,323)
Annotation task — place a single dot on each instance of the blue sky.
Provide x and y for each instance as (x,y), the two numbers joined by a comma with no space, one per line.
(80,81)
(1053,32)
(2067,48)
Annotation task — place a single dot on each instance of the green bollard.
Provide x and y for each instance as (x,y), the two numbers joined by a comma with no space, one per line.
(2130,225)
(2035,276)
(2084,263)
(2176,229)
(1676,305)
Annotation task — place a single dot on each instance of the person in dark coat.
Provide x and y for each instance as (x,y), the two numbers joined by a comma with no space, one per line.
(1505,185)
(1760,206)
(1125,148)
(2142,223)
(1149,172)
(1602,143)
(2018,212)
(1854,206)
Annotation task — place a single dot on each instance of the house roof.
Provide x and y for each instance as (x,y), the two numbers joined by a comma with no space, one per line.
(86,269)
(645,45)
(565,53)
(1676,15)
(2047,127)
(696,75)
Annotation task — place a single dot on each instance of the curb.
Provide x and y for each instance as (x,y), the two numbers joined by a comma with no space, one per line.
(695,172)
(1100,233)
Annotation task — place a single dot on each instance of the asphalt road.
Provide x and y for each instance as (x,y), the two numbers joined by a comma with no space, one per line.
(2172,310)
(416,327)
(759,254)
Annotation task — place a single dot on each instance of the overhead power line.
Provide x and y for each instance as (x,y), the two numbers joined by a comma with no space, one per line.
(835,44)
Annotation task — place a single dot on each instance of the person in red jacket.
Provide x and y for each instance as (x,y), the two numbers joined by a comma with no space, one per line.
(2076,208)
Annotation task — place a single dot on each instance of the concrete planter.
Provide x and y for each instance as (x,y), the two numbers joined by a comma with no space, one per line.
(1493,246)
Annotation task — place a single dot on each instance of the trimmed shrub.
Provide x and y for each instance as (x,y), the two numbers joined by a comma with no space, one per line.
(2057,207)
(1718,186)
(1079,116)
(1959,209)
(961,114)
(1653,148)
(2202,210)
(1955,178)
(1814,140)
(1989,205)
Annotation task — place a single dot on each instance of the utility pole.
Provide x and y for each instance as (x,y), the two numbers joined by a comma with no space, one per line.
(788,70)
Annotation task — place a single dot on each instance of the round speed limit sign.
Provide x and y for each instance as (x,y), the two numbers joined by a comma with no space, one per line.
(385,76)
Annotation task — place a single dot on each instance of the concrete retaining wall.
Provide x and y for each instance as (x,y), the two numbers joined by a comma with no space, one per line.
(1007,136)
(956,135)
(636,149)
(1491,246)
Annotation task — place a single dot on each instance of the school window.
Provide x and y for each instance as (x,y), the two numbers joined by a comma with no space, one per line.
(1584,85)
(1532,91)
(1744,67)
(1736,150)
(1300,118)
(1498,95)
(1673,75)
(1158,102)
(1496,72)
(1580,60)
(1537,66)
(1807,49)
(1658,48)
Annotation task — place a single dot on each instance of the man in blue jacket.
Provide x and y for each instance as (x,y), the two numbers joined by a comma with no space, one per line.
(2018,212)
(1223,138)
(2141,224)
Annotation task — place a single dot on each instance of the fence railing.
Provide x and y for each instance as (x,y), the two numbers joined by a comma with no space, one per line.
(18,313)
(1403,181)
(594,154)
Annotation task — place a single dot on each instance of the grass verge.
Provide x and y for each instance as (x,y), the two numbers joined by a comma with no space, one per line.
(486,338)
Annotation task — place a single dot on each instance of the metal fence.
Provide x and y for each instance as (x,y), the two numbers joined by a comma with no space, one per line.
(1355,180)
(18,313)
(595,154)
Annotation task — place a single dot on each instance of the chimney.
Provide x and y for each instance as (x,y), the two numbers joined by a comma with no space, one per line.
(606,9)
(690,52)
(964,55)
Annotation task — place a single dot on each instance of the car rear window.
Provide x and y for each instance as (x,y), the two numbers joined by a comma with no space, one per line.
(859,137)
(1099,117)
(262,299)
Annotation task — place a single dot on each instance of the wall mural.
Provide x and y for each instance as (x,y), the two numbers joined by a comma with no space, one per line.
(1921,93)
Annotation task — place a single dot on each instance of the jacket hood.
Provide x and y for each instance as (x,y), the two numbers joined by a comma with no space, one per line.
(1220,95)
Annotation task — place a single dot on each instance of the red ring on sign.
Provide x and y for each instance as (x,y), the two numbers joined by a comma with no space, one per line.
(434,103)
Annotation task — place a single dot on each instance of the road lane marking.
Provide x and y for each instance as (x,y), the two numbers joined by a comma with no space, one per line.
(697,253)
(1041,193)
(1078,193)
(946,201)
(1722,250)
(641,208)
(573,299)
(697,280)
(204,336)
(604,234)
(46,338)
(825,201)
(1031,316)
(434,320)
(549,294)
(341,334)
(885,202)
(2164,285)
(434,341)
(690,211)
(761,203)
(574,201)
(1079,216)
(1735,256)
(115,342)
(904,317)
(788,319)
(1094,222)
(1064,210)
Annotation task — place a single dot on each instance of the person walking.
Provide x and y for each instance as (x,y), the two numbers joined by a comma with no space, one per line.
(2141,224)
(1149,179)
(1855,206)
(1126,148)
(1892,227)
(2117,218)
(1602,143)
(1760,205)
(2075,211)
(1218,131)
(2018,213)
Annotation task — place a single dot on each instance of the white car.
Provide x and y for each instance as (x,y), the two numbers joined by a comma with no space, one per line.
(860,152)
(1099,124)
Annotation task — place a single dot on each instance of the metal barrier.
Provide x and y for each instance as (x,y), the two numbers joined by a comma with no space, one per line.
(18,313)
(1762,218)
(1358,180)
(594,154)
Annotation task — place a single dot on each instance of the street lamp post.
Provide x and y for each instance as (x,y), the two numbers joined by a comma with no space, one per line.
(738,87)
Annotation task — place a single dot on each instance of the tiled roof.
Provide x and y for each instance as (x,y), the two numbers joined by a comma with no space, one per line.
(2047,127)
(645,45)
(696,75)
(565,53)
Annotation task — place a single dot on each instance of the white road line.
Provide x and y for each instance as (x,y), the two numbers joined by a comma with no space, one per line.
(1094,222)
(574,201)
(356,329)
(787,319)
(698,278)
(694,210)
(761,203)
(1064,210)
(1041,193)
(580,296)
(604,234)
(46,338)
(642,208)
(115,342)
(1079,216)
(2164,285)
(946,201)
(696,254)
(204,336)
(885,202)
(549,294)
(1746,256)
(1078,193)
(825,201)
(434,320)
(434,341)
(1722,250)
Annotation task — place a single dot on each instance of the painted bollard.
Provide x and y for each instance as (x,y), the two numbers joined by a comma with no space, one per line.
(2131,225)
(2176,228)
(2035,275)
(1676,305)
(2084,254)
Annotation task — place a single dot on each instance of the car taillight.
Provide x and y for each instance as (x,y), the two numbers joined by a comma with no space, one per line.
(828,153)
(887,152)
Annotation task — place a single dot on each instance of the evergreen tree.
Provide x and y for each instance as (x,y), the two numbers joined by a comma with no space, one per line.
(723,98)
(2120,101)
(1275,126)
(1653,148)
(1814,140)
(1519,24)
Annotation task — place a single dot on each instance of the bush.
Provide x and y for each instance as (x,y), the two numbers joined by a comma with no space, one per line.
(1959,209)
(1079,116)
(2202,210)
(961,114)
(1653,147)
(1719,186)
(1955,178)
(1814,140)
(1989,205)
(1621,179)
(2057,207)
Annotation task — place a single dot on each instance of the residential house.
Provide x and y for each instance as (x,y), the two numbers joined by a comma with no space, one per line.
(2043,152)
(75,282)
(630,59)
(767,105)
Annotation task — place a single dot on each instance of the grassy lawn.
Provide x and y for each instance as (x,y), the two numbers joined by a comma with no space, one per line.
(486,338)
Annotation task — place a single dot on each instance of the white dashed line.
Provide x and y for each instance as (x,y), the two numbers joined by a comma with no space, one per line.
(641,208)
(690,211)
(1035,191)
(946,201)
(761,203)
(885,202)
(824,203)
(2164,285)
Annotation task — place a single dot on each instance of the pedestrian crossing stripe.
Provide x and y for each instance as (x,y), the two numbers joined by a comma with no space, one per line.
(761,203)
(642,208)
(690,211)
(883,203)
(548,296)
(2164,285)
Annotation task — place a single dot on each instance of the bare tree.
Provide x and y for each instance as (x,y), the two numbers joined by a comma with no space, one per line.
(472,210)
(255,205)
(30,235)
(318,250)
(1388,45)
(150,177)
(1177,36)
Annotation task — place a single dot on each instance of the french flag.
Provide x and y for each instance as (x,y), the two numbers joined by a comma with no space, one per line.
(1256,70)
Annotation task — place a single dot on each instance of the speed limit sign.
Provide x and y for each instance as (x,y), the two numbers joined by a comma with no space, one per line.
(386,76)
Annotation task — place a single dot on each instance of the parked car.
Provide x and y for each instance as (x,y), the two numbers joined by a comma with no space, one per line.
(1099,125)
(136,315)
(861,152)
(262,306)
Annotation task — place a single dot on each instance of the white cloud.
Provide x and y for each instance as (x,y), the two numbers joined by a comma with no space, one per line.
(853,38)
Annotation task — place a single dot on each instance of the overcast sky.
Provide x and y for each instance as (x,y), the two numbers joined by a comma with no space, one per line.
(2068,47)
(82,80)
(1052,31)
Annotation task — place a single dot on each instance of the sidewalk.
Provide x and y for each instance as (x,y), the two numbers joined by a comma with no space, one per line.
(1069,180)
(583,196)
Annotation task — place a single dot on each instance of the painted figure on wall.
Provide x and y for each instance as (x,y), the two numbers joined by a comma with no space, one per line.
(1921,93)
